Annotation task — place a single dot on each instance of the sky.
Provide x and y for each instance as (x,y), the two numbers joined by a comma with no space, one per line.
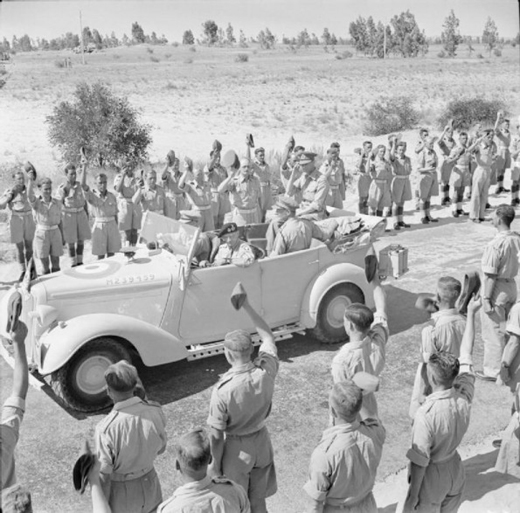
(48,19)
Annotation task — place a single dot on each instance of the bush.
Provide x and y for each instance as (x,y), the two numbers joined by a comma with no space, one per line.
(468,111)
(149,50)
(59,63)
(480,56)
(107,125)
(175,44)
(441,54)
(497,52)
(192,49)
(387,115)
(188,61)
(242,57)
(153,58)
(344,55)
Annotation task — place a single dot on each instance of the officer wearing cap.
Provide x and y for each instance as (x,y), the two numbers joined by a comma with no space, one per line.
(128,440)
(240,403)
(313,186)
(262,171)
(343,466)
(295,234)
(200,492)
(232,250)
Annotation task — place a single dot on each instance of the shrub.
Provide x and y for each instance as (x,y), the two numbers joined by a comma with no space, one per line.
(480,56)
(390,114)
(107,125)
(497,52)
(188,61)
(153,58)
(116,56)
(149,50)
(242,57)
(441,54)
(175,44)
(344,55)
(167,55)
(468,111)
(192,49)
(59,63)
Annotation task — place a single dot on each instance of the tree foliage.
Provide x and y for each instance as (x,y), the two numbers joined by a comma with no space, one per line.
(390,114)
(266,39)
(138,33)
(468,111)
(230,37)
(490,35)
(450,36)
(407,39)
(105,124)
(187,38)
(210,30)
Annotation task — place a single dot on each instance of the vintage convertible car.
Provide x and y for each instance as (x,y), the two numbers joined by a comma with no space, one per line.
(155,306)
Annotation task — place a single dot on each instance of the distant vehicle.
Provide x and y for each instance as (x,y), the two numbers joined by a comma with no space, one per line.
(154,305)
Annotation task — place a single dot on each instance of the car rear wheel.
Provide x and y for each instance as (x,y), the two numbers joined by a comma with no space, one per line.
(329,322)
(81,382)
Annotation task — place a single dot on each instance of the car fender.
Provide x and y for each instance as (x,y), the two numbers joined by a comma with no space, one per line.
(155,346)
(331,276)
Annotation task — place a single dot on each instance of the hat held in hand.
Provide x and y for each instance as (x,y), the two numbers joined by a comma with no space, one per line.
(230,159)
(30,170)
(82,468)
(371,265)
(238,296)
(470,289)
(217,145)
(250,141)
(170,157)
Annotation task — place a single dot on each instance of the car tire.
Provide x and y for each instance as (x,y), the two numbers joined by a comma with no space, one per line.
(329,321)
(80,383)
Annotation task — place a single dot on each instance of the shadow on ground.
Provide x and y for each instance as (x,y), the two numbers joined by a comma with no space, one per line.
(402,313)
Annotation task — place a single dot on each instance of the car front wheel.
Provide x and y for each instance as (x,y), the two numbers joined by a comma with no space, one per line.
(329,322)
(80,383)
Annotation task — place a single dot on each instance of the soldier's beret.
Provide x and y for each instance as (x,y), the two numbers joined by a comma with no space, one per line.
(82,467)
(189,216)
(250,140)
(335,145)
(287,203)
(307,157)
(238,340)
(238,296)
(228,228)
(189,163)
(121,376)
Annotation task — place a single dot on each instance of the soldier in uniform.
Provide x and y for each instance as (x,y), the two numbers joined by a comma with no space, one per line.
(436,473)
(126,185)
(428,181)
(460,175)
(21,223)
(151,197)
(205,241)
(335,173)
(499,270)
(103,207)
(343,467)
(446,143)
(128,440)
(290,157)
(240,403)
(401,189)
(200,492)
(366,350)
(76,229)
(199,194)
(175,200)
(379,193)
(232,250)
(423,135)
(515,167)
(245,190)
(48,241)
(364,179)
(312,186)
(503,160)
(483,152)
(262,171)
(215,174)
(343,172)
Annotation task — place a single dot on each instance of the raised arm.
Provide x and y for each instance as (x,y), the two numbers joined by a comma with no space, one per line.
(21,369)
(286,152)
(231,173)
(266,335)
(468,339)
(188,166)
(290,184)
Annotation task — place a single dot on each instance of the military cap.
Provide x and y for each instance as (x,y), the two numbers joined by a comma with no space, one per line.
(238,296)
(189,216)
(238,340)
(217,145)
(189,163)
(82,468)
(230,159)
(335,145)
(287,203)
(228,228)
(307,157)
(121,376)
(250,140)
(259,150)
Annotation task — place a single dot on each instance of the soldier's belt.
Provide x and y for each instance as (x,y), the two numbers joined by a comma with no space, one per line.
(131,475)
(104,219)
(246,210)
(46,228)
(404,177)
(381,182)
(264,184)
(21,213)
(71,210)
(334,187)
(201,207)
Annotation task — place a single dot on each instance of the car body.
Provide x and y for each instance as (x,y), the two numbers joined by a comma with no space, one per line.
(154,305)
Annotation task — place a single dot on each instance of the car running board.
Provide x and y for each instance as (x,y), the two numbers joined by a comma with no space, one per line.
(200,351)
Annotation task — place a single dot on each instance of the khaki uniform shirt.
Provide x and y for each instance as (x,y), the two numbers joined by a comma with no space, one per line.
(443,334)
(209,495)
(20,202)
(245,192)
(130,186)
(12,416)
(295,235)
(446,145)
(241,400)
(442,421)
(262,172)
(504,140)
(242,255)
(46,214)
(129,439)
(484,155)
(343,466)
(428,160)
(401,166)
(153,200)
(462,156)
(215,176)
(74,198)
(314,189)
(336,176)
(102,207)
(199,195)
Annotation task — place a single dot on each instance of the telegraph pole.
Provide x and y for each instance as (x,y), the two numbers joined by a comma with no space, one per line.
(384,53)
(81,36)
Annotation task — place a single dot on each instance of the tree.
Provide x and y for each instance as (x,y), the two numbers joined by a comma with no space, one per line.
(154,39)
(125,40)
(187,38)
(303,38)
(408,40)
(229,35)
(333,40)
(490,35)
(105,124)
(325,37)
(242,41)
(25,44)
(266,39)
(378,48)
(359,34)
(97,40)
(113,40)
(450,36)
(210,29)
(138,33)
(371,35)
(87,36)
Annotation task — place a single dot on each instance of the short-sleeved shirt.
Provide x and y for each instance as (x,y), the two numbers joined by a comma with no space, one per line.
(401,166)
(12,416)
(262,172)
(295,235)
(504,139)
(483,155)
(102,206)
(74,198)
(245,192)
(209,495)
(171,184)
(20,202)
(129,439)
(153,199)
(199,195)
(443,334)
(314,189)
(442,421)
(130,186)
(215,176)
(337,174)
(241,400)
(241,255)
(446,145)
(428,160)
(46,214)
(513,346)
(461,155)
(343,466)
(367,355)
(382,169)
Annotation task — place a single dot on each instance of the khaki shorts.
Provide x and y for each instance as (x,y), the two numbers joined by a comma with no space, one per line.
(75,227)
(249,461)
(142,494)
(105,238)
(48,243)
(22,228)
(129,215)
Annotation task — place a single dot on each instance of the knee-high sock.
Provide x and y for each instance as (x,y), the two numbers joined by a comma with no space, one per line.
(79,251)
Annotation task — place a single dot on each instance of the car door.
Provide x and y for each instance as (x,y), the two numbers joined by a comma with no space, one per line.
(207,314)
(284,280)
